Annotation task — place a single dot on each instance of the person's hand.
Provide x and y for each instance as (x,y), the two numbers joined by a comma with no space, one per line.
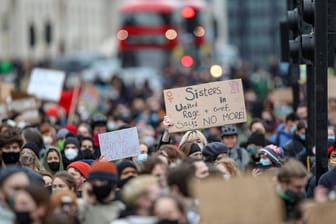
(167,122)
(320,194)
(256,172)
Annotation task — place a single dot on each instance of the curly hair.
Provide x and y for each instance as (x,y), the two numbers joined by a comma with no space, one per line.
(10,135)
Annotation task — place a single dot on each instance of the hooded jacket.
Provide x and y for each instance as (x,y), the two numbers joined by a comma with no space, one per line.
(45,162)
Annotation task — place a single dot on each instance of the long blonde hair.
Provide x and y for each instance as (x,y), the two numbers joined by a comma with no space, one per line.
(194,135)
(230,165)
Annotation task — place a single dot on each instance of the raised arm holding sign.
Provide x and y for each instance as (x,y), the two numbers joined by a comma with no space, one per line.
(205,105)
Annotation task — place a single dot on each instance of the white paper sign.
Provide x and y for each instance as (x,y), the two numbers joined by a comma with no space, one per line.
(46,84)
(119,144)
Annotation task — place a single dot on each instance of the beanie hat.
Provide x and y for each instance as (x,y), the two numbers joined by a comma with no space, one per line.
(71,128)
(194,148)
(212,150)
(9,171)
(62,133)
(103,170)
(72,140)
(124,164)
(82,167)
(330,149)
(257,139)
(273,154)
(52,111)
(32,146)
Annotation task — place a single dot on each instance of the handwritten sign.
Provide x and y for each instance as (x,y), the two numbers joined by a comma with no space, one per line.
(240,200)
(27,108)
(46,84)
(205,105)
(119,144)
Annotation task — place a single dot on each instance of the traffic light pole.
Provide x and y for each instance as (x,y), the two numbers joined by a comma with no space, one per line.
(321,84)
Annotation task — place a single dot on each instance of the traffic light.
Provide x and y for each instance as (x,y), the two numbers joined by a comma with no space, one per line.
(300,21)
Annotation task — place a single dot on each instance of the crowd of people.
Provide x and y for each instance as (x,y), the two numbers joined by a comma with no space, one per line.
(54,172)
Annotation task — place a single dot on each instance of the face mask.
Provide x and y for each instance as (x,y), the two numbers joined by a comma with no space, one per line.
(54,166)
(149,140)
(87,154)
(142,157)
(265,162)
(49,189)
(295,196)
(293,129)
(23,217)
(54,190)
(27,160)
(71,153)
(10,157)
(111,125)
(60,144)
(122,183)
(102,192)
(331,140)
(303,137)
(252,149)
(47,140)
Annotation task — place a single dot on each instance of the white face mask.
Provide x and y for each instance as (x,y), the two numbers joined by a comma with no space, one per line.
(71,153)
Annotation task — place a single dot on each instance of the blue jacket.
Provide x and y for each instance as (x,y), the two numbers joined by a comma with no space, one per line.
(280,138)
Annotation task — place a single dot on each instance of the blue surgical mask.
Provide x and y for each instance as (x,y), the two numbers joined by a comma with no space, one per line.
(252,149)
(293,129)
(265,162)
(303,137)
(142,157)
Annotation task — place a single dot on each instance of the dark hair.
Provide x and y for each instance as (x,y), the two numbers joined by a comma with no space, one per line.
(292,117)
(301,125)
(10,135)
(180,177)
(150,163)
(172,152)
(86,139)
(68,179)
(33,135)
(256,120)
(40,195)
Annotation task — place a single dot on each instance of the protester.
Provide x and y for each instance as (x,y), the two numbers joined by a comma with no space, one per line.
(230,140)
(10,146)
(292,178)
(79,170)
(53,161)
(169,209)
(284,132)
(98,204)
(71,151)
(48,179)
(63,181)
(214,151)
(87,148)
(191,149)
(31,205)
(29,156)
(126,171)
(227,167)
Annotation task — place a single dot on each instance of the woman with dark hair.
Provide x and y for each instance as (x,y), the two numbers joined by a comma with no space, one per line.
(53,161)
(32,204)
(32,135)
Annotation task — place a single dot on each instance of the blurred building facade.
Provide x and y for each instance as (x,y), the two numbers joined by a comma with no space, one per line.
(254,28)
(39,29)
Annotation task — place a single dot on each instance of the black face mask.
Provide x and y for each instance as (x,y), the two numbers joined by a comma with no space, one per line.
(295,196)
(87,154)
(54,166)
(23,217)
(49,189)
(165,221)
(122,183)
(102,192)
(10,157)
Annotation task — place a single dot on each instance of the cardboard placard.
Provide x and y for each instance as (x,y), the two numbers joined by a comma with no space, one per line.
(321,213)
(282,94)
(205,105)
(119,144)
(5,90)
(331,87)
(89,98)
(27,107)
(240,200)
(46,84)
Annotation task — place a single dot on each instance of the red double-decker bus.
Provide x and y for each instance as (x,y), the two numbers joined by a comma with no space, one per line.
(156,27)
